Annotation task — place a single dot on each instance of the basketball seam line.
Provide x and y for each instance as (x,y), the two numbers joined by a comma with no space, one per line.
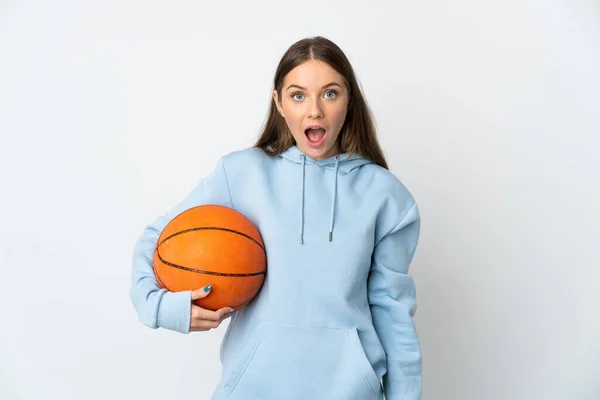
(170,264)
(157,277)
(203,228)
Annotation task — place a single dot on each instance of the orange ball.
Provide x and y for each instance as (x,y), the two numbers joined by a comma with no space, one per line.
(216,245)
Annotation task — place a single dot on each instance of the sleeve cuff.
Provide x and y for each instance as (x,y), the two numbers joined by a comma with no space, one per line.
(174,311)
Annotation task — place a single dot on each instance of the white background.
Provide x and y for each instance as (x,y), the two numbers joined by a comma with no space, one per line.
(112,111)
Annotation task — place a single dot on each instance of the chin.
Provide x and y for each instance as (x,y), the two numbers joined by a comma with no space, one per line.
(315,152)
(318,152)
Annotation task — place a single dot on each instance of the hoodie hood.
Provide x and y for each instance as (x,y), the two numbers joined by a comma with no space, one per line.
(346,163)
(340,164)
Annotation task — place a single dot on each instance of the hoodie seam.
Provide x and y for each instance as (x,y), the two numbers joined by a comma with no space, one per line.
(399,223)
(227,183)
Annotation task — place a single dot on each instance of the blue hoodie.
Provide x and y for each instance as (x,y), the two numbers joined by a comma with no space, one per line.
(333,319)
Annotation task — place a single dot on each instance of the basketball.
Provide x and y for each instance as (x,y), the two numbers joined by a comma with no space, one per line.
(212,244)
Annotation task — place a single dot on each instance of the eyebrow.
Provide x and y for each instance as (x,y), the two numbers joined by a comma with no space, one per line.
(303,88)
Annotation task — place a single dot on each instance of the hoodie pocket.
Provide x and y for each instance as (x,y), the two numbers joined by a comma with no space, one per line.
(304,362)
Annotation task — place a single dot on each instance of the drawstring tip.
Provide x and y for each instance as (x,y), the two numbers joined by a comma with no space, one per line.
(301,241)
(330,235)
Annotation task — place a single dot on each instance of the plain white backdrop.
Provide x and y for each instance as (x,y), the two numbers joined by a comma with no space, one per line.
(489,112)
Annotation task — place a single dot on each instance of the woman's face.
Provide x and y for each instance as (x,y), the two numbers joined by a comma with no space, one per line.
(313,93)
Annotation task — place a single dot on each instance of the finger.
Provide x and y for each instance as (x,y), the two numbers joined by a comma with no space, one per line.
(225,311)
(201,293)
(199,313)
(204,324)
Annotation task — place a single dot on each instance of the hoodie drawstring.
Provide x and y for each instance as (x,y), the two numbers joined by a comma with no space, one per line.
(333,203)
(302,217)
(337,164)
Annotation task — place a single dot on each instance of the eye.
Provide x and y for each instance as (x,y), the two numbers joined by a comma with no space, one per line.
(301,94)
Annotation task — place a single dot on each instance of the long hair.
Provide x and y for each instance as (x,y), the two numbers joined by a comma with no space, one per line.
(358,133)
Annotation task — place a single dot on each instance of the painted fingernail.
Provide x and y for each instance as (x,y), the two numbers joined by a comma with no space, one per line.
(207,288)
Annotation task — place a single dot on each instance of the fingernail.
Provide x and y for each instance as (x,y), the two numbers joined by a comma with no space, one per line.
(207,288)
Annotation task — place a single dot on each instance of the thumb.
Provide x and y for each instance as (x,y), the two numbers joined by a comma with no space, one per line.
(202,292)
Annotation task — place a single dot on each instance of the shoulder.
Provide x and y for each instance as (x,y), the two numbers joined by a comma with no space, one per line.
(396,201)
(244,156)
(388,184)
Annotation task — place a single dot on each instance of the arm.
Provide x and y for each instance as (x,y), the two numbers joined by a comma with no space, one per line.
(155,306)
(392,299)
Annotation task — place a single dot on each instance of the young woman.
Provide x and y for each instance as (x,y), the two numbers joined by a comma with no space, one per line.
(333,319)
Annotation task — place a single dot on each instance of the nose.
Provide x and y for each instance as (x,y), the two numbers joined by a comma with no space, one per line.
(315,109)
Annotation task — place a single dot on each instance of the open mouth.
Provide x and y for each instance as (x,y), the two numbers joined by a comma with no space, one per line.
(315,136)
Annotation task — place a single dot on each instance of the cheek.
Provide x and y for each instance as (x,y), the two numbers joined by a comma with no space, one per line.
(294,123)
(339,116)
(294,118)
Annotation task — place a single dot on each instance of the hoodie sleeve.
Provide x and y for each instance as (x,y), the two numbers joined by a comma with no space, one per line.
(155,306)
(392,299)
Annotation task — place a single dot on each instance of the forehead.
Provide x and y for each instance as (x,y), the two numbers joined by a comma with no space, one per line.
(312,74)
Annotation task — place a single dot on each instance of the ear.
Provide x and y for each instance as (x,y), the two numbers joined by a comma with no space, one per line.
(277,103)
